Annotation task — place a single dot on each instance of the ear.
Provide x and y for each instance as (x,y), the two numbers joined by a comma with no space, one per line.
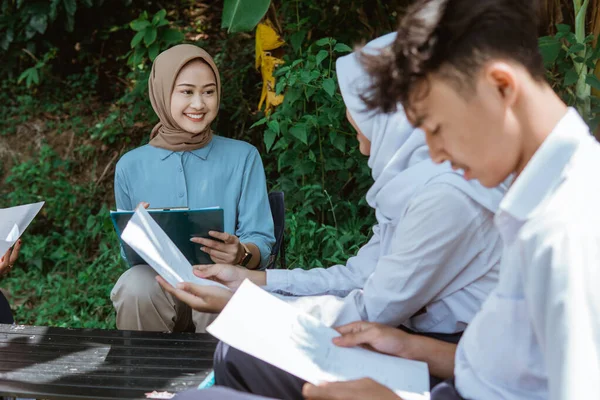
(503,76)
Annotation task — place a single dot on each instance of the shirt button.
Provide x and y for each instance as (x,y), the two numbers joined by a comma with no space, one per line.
(181,194)
(180,169)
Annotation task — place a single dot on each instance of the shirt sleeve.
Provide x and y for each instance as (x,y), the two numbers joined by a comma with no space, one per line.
(338,279)
(560,285)
(122,198)
(254,220)
(440,223)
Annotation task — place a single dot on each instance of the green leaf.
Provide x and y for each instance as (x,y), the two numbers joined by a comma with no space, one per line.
(139,24)
(323,42)
(7,39)
(296,40)
(329,86)
(172,36)
(159,17)
(563,28)
(54,9)
(91,221)
(338,141)
(31,76)
(260,122)
(589,38)
(570,77)
(321,55)
(39,23)
(593,81)
(576,48)
(342,48)
(70,6)
(269,139)
(137,39)
(299,132)
(88,3)
(150,35)
(549,47)
(274,126)
(153,51)
(243,15)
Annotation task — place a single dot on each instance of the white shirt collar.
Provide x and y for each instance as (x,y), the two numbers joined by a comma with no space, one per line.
(546,168)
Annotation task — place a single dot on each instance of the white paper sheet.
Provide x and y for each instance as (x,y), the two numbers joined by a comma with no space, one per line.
(258,323)
(14,221)
(148,239)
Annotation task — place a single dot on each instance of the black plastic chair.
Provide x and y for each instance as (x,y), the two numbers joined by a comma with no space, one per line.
(277,203)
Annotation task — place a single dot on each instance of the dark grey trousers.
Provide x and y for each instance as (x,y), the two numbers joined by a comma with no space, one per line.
(443,391)
(6,316)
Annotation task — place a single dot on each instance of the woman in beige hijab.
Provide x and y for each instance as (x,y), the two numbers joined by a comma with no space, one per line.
(187,165)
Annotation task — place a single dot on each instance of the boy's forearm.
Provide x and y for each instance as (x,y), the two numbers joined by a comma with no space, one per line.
(438,355)
(257,277)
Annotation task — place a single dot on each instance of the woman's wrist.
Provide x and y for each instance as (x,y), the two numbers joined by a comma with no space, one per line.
(241,251)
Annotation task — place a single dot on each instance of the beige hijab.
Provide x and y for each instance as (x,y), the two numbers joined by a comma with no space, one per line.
(167,134)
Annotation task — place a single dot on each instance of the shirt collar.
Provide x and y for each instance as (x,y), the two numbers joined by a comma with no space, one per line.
(545,170)
(200,153)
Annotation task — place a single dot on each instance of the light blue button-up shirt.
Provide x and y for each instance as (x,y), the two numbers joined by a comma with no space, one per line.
(227,173)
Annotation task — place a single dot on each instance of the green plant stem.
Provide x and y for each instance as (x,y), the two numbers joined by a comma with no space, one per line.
(583,90)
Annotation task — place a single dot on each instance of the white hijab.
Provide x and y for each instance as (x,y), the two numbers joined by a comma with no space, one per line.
(399,157)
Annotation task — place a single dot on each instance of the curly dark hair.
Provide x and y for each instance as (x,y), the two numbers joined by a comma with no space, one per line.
(451,38)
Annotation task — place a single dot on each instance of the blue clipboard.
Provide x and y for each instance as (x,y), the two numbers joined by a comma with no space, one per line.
(180,225)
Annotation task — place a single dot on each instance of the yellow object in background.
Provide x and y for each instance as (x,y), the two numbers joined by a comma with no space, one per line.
(267,39)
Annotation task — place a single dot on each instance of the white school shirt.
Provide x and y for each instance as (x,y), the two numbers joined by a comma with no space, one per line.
(538,334)
(444,255)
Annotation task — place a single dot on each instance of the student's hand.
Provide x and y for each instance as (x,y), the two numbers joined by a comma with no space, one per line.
(143,204)
(210,299)
(359,389)
(7,261)
(229,251)
(377,337)
(231,276)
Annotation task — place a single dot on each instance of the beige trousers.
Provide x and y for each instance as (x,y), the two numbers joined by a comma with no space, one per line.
(142,305)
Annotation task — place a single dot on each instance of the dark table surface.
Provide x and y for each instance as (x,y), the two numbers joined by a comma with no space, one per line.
(60,363)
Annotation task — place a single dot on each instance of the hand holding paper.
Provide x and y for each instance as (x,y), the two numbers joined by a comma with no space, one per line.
(203,298)
(7,261)
(268,328)
(144,235)
(14,221)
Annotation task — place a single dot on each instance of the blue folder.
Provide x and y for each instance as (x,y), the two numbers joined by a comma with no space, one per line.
(180,225)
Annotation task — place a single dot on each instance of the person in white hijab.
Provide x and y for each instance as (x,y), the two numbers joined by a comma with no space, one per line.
(434,254)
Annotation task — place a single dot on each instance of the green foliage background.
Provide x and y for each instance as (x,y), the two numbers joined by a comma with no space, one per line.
(73,97)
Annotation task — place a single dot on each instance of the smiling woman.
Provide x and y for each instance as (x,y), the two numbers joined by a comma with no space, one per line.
(186,165)
(194,100)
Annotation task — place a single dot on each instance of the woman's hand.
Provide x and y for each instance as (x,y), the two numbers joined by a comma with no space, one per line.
(350,390)
(377,337)
(7,261)
(229,251)
(231,276)
(210,299)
